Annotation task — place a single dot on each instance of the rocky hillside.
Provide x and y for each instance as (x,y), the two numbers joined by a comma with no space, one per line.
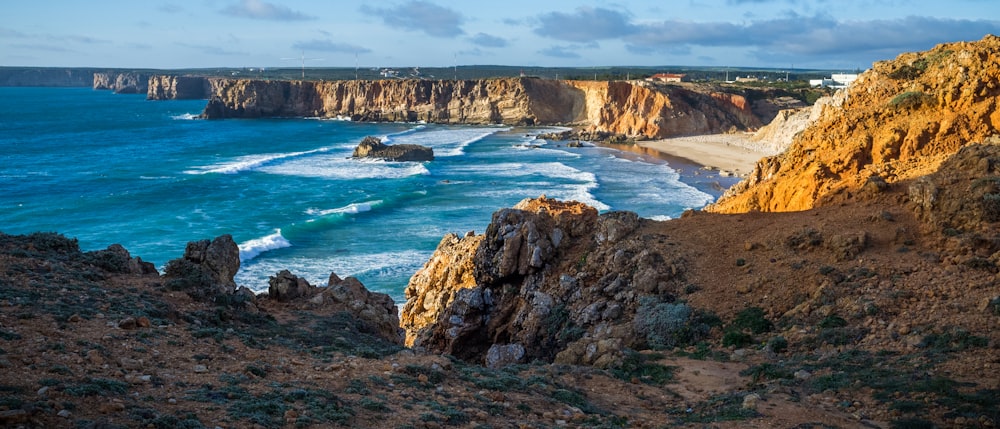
(632,109)
(899,121)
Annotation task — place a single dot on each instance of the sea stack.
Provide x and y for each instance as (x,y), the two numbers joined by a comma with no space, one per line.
(372,147)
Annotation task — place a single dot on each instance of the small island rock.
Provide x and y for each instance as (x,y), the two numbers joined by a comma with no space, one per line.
(372,147)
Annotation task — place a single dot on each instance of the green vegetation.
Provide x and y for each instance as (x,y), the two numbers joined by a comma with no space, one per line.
(909,100)
(97,387)
(666,325)
(643,368)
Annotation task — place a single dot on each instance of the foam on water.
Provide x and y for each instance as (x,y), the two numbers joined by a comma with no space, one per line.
(446,142)
(368,267)
(353,208)
(185,116)
(251,162)
(252,248)
(339,167)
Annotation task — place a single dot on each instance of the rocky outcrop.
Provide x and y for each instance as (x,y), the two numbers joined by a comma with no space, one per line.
(964,194)
(778,135)
(372,147)
(122,82)
(548,280)
(207,269)
(166,87)
(117,259)
(626,108)
(376,312)
(900,120)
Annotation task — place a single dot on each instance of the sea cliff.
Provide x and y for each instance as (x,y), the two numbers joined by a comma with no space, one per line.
(122,82)
(630,108)
(169,87)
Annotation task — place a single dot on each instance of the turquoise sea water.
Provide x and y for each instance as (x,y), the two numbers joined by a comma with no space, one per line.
(108,168)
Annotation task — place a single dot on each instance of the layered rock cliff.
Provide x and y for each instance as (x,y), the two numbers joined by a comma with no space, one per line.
(122,82)
(633,109)
(900,120)
(166,87)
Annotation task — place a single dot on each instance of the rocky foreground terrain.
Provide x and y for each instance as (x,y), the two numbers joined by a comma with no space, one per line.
(878,305)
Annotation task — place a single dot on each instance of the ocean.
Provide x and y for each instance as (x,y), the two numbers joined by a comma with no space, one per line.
(110,168)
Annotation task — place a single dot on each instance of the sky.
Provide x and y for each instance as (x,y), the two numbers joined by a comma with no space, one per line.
(170,34)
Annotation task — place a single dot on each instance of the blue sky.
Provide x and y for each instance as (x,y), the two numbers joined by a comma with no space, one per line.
(828,34)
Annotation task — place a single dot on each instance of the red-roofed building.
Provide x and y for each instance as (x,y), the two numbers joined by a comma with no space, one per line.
(669,77)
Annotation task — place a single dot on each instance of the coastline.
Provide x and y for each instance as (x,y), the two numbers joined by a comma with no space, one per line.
(730,154)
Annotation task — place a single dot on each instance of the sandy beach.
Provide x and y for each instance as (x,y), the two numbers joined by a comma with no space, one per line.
(733,153)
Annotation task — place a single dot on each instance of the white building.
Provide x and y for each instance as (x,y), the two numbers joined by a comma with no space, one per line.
(836,81)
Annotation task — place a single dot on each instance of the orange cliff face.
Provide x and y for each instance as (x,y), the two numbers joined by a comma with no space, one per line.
(635,110)
(660,111)
(900,120)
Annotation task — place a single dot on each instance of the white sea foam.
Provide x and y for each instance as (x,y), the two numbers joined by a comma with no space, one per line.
(659,217)
(185,116)
(353,208)
(317,270)
(251,162)
(446,141)
(251,248)
(340,168)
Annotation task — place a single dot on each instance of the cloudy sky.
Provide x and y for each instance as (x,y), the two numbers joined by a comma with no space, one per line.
(828,34)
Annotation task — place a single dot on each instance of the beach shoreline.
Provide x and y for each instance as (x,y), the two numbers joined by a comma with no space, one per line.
(730,154)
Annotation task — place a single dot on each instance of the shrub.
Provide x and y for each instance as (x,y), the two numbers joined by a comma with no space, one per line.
(736,339)
(832,321)
(636,365)
(991,207)
(666,325)
(778,344)
(752,319)
(909,100)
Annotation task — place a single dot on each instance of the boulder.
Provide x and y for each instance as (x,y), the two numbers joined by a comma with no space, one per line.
(372,147)
(207,268)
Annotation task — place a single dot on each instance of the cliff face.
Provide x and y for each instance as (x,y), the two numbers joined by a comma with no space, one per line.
(900,120)
(164,87)
(46,76)
(617,107)
(660,111)
(122,82)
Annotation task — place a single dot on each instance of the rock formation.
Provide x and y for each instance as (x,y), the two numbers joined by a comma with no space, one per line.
(899,121)
(166,87)
(372,147)
(375,311)
(778,135)
(630,109)
(207,269)
(513,294)
(122,82)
